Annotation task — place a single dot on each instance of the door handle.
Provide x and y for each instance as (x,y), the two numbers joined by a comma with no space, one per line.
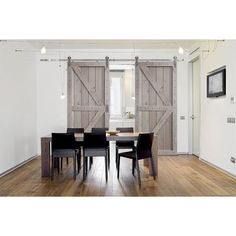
(192,117)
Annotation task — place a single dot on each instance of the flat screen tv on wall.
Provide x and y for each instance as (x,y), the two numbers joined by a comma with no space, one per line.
(216,83)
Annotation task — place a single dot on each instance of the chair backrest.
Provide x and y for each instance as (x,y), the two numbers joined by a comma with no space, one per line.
(75,130)
(99,130)
(63,141)
(144,145)
(94,140)
(126,130)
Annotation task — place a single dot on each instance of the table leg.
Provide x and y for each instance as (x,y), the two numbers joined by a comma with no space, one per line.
(45,157)
(155,156)
(147,163)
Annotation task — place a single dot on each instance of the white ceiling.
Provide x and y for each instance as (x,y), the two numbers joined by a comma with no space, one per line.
(114,44)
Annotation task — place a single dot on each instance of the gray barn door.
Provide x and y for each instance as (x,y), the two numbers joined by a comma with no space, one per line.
(155,100)
(88,94)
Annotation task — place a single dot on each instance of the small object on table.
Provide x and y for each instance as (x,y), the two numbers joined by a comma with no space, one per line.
(112,132)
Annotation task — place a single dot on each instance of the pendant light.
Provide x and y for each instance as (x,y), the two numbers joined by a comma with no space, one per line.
(43,50)
(181,50)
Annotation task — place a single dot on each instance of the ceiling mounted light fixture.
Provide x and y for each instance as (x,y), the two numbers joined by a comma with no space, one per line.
(181,50)
(43,50)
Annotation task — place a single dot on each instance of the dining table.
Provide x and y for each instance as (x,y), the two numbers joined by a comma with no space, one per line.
(46,148)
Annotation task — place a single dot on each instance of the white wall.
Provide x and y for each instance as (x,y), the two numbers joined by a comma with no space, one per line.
(18,139)
(52,115)
(217,137)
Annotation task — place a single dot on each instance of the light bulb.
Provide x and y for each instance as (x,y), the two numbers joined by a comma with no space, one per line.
(181,50)
(43,50)
(63,96)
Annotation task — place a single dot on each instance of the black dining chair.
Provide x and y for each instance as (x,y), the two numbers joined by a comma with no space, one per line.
(124,144)
(94,146)
(142,151)
(78,144)
(101,131)
(63,145)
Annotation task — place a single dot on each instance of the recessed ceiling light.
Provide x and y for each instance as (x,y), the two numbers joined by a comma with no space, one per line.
(43,50)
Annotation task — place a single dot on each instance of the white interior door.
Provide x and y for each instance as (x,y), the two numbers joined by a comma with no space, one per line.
(196,107)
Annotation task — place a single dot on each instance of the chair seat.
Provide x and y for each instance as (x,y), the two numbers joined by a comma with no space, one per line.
(94,152)
(64,153)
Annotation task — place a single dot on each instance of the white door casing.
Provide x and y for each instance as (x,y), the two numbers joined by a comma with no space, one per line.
(195,107)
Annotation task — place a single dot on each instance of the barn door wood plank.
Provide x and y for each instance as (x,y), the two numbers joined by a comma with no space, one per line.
(100,88)
(107,93)
(69,93)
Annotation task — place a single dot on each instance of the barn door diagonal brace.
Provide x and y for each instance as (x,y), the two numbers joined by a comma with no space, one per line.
(162,121)
(95,119)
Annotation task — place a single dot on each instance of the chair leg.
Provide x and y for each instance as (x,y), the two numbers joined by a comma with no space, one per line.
(117,153)
(84,167)
(79,161)
(74,164)
(62,163)
(58,167)
(153,169)
(52,170)
(106,163)
(118,167)
(138,170)
(67,161)
(90,162)
(133,166)
(108,157)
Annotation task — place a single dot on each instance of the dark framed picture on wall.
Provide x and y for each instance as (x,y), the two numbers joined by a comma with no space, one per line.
(216,83)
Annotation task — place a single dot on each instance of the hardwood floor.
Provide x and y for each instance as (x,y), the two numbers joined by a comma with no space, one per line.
(178,176)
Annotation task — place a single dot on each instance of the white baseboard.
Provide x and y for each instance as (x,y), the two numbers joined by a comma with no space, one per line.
(218,168)
(17,166)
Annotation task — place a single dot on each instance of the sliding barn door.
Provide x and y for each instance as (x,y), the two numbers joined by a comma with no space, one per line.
(88,94)
(156,102)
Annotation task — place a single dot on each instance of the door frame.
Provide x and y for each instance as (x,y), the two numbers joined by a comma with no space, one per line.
(190,105)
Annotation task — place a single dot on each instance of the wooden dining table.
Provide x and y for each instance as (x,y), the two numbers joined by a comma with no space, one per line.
(46,148)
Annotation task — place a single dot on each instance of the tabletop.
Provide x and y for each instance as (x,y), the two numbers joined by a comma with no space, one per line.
(117,137)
